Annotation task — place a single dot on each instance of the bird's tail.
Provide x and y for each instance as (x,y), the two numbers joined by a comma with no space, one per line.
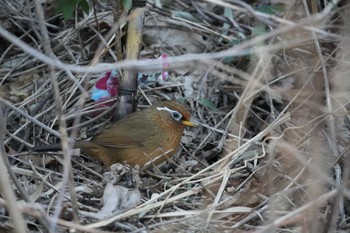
(58,146)
(51,147)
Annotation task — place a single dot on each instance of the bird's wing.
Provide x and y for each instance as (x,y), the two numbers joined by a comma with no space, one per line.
(125,137)
(117,141)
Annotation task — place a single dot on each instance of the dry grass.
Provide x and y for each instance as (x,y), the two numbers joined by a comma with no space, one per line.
(270,92)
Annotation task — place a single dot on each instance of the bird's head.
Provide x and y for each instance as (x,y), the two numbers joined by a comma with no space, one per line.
(173,113)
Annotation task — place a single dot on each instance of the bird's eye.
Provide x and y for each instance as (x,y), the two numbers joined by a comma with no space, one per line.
(176,115)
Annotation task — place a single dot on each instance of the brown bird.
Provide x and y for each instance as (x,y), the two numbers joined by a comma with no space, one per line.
(153,134)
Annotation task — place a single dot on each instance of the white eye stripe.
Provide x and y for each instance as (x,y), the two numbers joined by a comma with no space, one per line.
(175,114)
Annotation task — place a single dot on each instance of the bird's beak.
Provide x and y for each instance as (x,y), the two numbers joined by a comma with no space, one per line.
(189,123)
